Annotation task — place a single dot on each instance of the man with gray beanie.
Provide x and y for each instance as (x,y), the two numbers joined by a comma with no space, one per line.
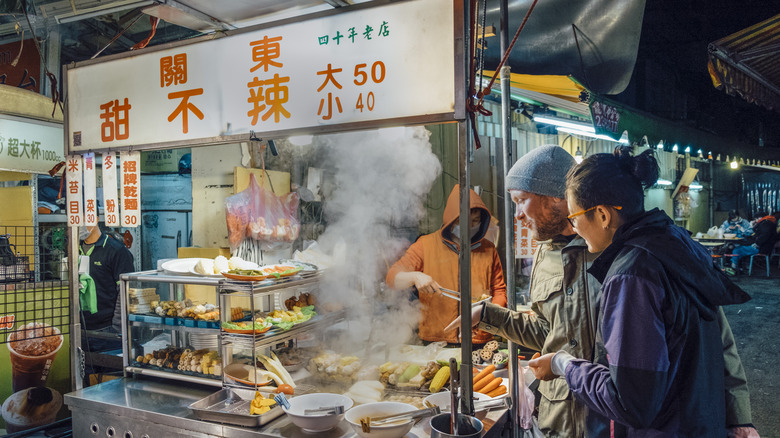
(565,298)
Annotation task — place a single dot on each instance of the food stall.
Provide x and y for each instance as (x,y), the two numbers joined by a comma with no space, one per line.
(261,329)
(35,368)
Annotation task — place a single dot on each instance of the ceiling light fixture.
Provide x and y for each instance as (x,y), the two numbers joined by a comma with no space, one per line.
(663,182)
(571,124)
(590,134)
(734,164)
(674,148)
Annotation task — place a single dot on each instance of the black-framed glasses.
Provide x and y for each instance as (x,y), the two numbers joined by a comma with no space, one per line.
(573,215)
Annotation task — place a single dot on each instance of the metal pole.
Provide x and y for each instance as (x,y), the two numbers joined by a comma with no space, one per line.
(509,229)
(75,309)
(464,256)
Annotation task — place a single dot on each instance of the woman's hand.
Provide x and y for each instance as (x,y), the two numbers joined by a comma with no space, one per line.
(476,316)
(541,366)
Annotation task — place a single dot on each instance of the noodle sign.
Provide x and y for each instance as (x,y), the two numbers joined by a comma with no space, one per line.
(368,66)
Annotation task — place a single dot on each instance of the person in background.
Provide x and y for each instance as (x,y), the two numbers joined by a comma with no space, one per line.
(765,232)
(564,298)
(736,224)
(666,366)
(432,262)
(108,259)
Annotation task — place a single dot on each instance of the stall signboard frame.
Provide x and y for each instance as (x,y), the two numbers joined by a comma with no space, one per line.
(361,67)
(29,145)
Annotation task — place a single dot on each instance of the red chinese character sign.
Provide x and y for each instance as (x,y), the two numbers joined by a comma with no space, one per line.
(74,190)
(525,246)
(90,190)
(110,198)
(131,189)
(367,65)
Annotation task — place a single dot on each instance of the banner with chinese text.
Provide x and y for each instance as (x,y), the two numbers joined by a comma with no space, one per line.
(29,146)
(365,65)
(110,199)
(131,188)
(74,190)
(525,246)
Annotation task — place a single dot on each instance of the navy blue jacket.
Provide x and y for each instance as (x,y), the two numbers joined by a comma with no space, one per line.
(659,327)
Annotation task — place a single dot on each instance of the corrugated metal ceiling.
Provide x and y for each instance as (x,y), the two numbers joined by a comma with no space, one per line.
(747,63)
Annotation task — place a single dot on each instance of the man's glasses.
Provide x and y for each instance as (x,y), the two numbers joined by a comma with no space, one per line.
(573,215)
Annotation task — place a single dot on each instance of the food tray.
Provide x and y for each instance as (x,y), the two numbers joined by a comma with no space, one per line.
(231,406)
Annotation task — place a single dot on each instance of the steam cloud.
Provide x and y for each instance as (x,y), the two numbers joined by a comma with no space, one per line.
(380,179)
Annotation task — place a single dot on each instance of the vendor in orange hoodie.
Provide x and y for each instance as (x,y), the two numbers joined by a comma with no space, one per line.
(432,262)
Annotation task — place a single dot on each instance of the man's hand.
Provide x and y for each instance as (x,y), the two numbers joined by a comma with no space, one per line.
(541,366)
(425,283)
(476,316)
(742,432)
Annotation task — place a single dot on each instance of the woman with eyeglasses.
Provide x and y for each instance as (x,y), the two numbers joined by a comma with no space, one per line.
(661,368)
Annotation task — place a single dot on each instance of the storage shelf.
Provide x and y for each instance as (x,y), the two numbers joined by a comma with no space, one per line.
(275,336)
(174,376)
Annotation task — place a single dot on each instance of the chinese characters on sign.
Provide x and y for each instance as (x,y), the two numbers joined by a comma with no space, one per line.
(173,71)
(73,172)
(525,246)
(131,189)
(111,207)
(366,66)
(367,34)
(90,191)
(270,93)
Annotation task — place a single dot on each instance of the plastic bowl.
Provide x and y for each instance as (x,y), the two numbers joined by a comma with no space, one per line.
(314,422)
(729,235)
(354,415)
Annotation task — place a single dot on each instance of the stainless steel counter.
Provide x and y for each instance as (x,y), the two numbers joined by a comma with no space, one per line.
(146,408)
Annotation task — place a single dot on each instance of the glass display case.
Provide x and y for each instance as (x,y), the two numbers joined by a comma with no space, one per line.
(216,331)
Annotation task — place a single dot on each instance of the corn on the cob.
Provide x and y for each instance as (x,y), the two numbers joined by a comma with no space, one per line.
(439,379)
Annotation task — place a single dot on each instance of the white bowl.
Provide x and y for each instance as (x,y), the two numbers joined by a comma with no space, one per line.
(442,399)
(730,235)
(316,423)
(374,410)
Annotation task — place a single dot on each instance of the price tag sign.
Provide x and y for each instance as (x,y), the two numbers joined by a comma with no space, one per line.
(90,190)
(525,246)
(110,198)
(74,190)
(131,189)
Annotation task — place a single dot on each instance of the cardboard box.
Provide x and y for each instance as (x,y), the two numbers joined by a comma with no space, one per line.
(202,294)
(204,253)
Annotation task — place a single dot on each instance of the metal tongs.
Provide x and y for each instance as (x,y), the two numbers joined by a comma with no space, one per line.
(449,293)
(367,422)
(325,410)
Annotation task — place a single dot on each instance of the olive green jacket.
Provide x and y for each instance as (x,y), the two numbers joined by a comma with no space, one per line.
(564,299)
(565,303)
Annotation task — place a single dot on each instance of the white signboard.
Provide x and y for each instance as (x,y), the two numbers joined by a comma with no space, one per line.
(387,62)
(74,191)
(111,204)
(90,190)
(525,246)
(131,189)
(29,146)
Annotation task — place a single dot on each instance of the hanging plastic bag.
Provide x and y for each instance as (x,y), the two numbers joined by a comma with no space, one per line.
(525,414)
(259,214)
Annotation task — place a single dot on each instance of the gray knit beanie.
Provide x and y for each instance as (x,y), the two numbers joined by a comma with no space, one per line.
(541,171)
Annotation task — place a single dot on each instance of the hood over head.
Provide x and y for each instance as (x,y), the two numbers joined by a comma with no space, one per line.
(684,260)
(452,212)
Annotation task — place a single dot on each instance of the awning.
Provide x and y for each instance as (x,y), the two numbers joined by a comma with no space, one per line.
(613,119)
(747,63)
(560,93)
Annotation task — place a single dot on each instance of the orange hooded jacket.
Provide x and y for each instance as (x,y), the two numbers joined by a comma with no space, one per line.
(436,254)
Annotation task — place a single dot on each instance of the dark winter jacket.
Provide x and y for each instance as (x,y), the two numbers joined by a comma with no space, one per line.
(766,234)
(661,330)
